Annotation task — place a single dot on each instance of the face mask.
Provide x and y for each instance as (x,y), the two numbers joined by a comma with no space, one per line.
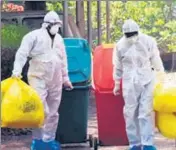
(132,40)
(54,29)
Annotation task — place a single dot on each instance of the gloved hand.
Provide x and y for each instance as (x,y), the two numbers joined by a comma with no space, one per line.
(116,88)
(68,85)
(16,76)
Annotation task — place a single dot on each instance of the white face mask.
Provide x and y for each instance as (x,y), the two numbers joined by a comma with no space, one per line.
(54,29)
(132,40)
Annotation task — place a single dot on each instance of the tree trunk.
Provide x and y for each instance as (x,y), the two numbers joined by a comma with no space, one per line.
(35,5)
(80,19)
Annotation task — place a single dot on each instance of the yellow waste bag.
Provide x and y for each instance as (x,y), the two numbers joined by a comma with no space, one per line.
(165,96)
(165,106)
(21,107)
(166,123)
(5,84)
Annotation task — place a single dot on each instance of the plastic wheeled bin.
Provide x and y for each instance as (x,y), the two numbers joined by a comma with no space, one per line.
(111,124)
(73,110)
(72,127)
(79,60)
(102,68)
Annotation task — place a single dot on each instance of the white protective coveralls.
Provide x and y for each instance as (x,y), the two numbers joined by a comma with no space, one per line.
(133,63)
(47,72)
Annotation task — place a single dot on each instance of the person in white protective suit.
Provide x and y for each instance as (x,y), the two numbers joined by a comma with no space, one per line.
(47,74)
(135,58)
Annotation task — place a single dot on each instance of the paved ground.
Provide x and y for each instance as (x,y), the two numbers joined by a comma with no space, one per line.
(23,142)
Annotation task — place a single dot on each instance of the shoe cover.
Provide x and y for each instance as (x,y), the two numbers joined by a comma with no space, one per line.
(37,145)
(149,148)
(53,145)
(136,148)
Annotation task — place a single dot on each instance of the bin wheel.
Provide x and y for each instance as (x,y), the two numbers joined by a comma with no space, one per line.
(96,143)
(91,141)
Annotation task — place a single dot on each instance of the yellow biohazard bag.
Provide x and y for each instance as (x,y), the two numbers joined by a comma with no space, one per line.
(165,106)
(5,85)
(166,124)
(21,107)
(165,97)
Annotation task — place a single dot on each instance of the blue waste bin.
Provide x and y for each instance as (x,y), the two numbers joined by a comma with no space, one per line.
(79,59)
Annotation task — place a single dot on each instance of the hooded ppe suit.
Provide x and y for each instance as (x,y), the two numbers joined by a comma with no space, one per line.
(47,72)
(133,62)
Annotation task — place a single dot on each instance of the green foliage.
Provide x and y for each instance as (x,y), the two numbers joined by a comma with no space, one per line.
(167,39)
(56,6)
(10,41)
(12,35)
(156,18)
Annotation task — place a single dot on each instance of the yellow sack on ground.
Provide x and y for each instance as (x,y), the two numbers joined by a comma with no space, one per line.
(165,106)
(165,95)
(166,123)
(21,107)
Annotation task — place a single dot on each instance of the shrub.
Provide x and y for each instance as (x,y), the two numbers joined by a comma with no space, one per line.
(12,35)
(11,39)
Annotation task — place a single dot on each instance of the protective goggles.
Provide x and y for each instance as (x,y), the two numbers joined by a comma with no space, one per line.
(54,23)
(130,34)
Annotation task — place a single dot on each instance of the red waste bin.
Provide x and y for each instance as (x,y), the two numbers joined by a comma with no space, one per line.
(111,124)
(102,67)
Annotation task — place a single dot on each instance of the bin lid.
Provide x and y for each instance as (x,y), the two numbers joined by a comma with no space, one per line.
(103,68)
(79,59)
